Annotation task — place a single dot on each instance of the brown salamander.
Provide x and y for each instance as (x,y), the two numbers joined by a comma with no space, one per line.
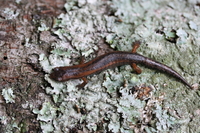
(111,60)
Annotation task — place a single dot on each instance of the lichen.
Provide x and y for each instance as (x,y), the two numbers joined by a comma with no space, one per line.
(8,95)
(46,115)
(10,14)
(107,102)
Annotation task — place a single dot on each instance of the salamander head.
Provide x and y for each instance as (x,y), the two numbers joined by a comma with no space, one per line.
(63,73)
(57,74)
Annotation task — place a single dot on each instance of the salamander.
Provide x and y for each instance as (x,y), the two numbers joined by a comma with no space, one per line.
(110,60)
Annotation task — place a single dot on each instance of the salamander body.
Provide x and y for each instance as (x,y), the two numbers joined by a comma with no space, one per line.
(111,60)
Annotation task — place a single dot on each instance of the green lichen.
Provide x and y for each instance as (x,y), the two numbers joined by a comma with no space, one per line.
(61,52)
(106,98)
(45,63)
(46,115)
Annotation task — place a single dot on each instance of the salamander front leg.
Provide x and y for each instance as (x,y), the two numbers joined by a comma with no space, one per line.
(81,86)
(82,60)
(136,45)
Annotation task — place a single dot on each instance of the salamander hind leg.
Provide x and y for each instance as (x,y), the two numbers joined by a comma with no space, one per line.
(136,68)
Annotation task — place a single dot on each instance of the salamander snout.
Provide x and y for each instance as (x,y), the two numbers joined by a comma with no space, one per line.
(56,74)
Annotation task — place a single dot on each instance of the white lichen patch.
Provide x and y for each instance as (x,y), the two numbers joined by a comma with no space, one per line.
(8,95)
(10,14)
(45,63)
(43,27)
(193,25)
(183,36)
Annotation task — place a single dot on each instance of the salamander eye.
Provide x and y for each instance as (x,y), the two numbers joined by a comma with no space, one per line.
(59,79)
(56,69)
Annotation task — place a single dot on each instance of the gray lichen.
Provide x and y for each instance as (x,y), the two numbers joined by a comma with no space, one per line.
(99,106)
